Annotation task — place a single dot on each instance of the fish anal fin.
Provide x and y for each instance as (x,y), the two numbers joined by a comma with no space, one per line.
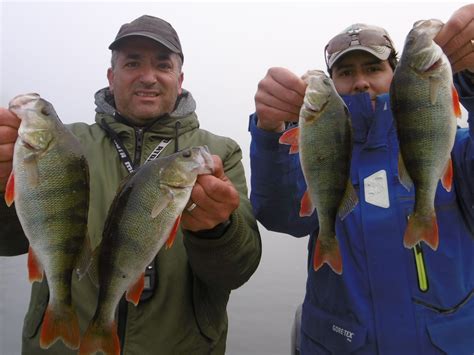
(329,253)
(35,269)
(421,229)
(349,201)
(135,291)
(307,207)
(290,137)
(10,190)
(60,323)
(403,175)
(447,178)
(174,231)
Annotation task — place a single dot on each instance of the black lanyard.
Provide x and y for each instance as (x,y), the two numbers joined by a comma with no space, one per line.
(122,151)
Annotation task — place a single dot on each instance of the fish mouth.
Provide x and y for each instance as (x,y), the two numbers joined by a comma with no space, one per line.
(23,101)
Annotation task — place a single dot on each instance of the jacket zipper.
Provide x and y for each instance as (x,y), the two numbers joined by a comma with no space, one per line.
(138,146)
(420,268)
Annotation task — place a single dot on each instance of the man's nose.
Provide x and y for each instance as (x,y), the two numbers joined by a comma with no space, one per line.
(148,76)
(361,84)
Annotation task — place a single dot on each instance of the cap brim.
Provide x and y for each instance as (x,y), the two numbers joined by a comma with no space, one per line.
(381,52)
(154,37)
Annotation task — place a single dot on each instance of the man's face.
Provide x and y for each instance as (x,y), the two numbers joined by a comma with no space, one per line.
(359,71)
(145,81)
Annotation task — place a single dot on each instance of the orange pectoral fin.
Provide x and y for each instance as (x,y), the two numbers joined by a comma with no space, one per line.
(290,137)
(456,104)
(35,269)
(306,208)
(10,190)
(174,231)
(447,178)
(135,291)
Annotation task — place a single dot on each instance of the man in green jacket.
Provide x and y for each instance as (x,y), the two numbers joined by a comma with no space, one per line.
(144,113)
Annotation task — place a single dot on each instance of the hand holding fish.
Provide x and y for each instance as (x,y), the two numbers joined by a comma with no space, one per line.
(456,38)
(278,99)
(215,198)
(9,124)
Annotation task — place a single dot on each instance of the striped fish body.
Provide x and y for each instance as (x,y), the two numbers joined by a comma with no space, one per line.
(325,146)
(50,187)
(425,105)
(144,215)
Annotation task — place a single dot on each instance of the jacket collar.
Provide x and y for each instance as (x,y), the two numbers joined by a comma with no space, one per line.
(181,120)
(370,127)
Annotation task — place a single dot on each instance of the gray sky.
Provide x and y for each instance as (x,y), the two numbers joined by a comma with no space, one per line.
(59,49)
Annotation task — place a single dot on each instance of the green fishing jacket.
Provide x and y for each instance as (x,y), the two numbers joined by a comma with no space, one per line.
(186,313)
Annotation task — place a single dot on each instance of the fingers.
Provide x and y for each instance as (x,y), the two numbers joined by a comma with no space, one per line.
(215,198)
(9,124)
(279,98)
(455,38)
(8,118)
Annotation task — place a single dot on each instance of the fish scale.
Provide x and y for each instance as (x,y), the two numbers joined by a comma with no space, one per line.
(50,187)
(425,105)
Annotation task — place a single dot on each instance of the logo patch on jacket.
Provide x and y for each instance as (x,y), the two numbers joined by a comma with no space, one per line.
(376,189)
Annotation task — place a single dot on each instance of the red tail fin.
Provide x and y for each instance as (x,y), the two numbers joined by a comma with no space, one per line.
(60,323)
(329,253)
(421,229)
(98,338)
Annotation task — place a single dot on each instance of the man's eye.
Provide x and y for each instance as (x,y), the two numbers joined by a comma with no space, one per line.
(164,66)
(131,64)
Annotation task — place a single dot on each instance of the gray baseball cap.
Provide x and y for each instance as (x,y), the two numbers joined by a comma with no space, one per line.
(372,39)
(153,28)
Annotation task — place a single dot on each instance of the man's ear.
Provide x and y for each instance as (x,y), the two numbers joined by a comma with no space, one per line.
(110,78)
(180,83)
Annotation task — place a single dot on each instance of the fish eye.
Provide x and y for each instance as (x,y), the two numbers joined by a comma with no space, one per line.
(45,110)
(186,154)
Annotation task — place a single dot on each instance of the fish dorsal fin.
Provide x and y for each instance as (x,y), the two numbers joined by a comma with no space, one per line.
(403,175)
(10,190)
(348,202)
(165,197)
(290,137)
(456,104)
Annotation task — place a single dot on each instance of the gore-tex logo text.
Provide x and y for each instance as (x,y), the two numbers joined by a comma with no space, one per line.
(343,332)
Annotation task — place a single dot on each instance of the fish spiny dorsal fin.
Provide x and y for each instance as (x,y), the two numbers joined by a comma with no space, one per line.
(93,268)
(456,104)
(306,207)
(290,137)
(403,175)
(10,190)
(447,178)
(35,269)
(135,290)
(174,231)
(165,197)
(349,201)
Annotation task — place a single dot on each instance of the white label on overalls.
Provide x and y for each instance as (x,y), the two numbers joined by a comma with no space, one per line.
(376,189)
